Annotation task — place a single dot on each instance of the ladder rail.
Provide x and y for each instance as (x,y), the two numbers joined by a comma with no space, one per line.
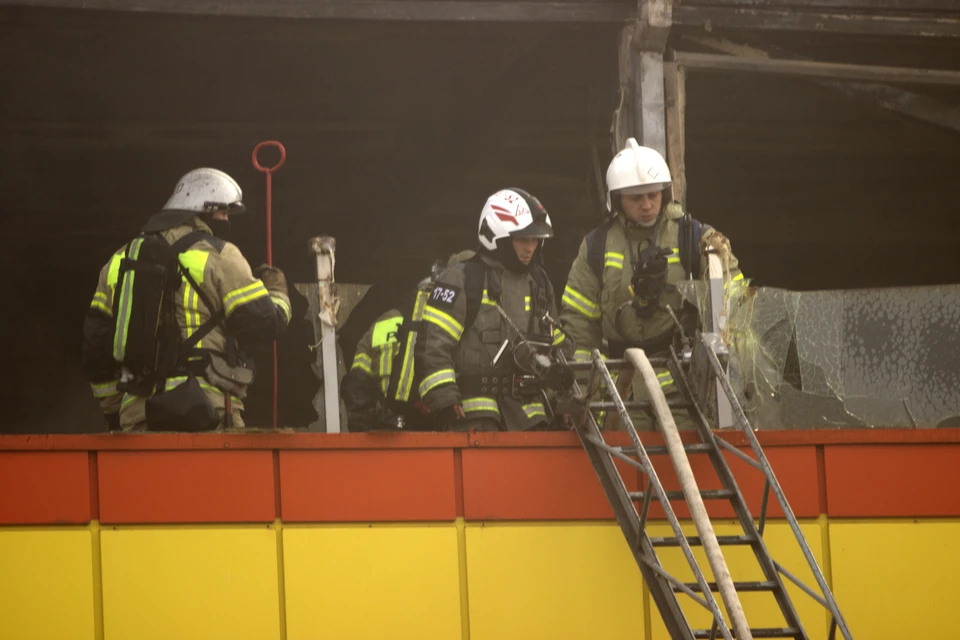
(740,419)
(656,487)
(691,492)
(739,504)
(626,515)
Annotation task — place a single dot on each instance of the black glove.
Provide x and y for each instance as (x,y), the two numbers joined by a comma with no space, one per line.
(448,416)
(273,279)
(649,279)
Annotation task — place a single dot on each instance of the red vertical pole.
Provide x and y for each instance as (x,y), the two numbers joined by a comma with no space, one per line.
(269,174)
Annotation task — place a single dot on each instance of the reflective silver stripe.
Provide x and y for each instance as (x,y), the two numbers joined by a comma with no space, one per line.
(363,362)
(104,389)
(443,320)
(581,355)
(406,370)
(579,302)
(126,293)
(473,405)
(444,376)
(386,365)
(613,259)
(535,409)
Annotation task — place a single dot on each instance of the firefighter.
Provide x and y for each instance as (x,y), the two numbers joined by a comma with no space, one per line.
(463,382)
(625,275)
(220,307)
(379,391)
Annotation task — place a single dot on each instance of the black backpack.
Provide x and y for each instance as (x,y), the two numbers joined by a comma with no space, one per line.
(147,340)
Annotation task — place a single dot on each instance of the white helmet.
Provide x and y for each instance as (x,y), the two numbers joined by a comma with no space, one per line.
(636,170)
(512,213)
(206,190)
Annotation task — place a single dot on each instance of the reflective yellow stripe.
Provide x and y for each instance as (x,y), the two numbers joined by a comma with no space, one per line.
(474,405)
(126,295)
(535,409)
(581,355)
(443,320)
(206,386)
(104,389)
(444,376)
(613,259)
(282,304)
(386,364)
(191,312)
(674,258)
(128,399)
(558,337)
(526,303)
(578,302)
(487,300)
(665,379)
(386,330)
(243,295)
(362,361)
(736,279)
(101,303)
(406,368)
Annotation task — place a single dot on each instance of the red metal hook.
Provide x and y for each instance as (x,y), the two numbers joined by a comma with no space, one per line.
(269,171)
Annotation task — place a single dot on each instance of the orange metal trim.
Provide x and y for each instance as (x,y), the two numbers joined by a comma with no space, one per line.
(868,481)
(795,468)
(367,486)
(300,440)
(44,488)
(534,484)
(158,487)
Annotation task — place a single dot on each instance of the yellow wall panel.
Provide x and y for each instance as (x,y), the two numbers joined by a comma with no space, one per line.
(552,581)
(760,608)
(46,584)
(190,582)
(897,579)
(380,581)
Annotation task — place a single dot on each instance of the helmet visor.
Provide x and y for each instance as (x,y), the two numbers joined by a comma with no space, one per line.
(539,229)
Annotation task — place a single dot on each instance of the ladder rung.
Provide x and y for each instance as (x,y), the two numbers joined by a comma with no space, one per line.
(660,449)
(739,586)
(695,541)
(785,632)
(708,494)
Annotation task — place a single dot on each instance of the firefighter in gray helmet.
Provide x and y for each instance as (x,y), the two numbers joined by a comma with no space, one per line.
(464,383)
(215,305)
(625,275)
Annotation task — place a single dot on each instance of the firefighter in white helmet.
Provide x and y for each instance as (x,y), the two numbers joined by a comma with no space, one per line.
(219,306)
(624,277)
(463,382)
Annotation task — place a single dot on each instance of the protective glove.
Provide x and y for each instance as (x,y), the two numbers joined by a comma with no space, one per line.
(448,416)
(273,279)
(113,421)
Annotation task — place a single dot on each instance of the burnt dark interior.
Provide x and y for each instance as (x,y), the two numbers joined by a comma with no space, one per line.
(395,134)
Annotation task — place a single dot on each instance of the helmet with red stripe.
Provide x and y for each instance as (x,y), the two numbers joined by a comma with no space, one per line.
(512,213)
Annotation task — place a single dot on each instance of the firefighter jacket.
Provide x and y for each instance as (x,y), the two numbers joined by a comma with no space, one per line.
(458,360)
(589,307)
(252,313)
(376,350)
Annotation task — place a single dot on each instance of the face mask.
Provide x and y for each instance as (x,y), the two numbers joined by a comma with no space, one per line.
(220,228)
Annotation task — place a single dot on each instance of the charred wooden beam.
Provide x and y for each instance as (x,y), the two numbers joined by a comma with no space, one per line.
(675,88)
(943,6)
(412,10)
(653,29)
(946,26)
(895,99)
(810,69)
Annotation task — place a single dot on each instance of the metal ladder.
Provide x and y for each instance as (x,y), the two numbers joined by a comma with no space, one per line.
(633,522)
